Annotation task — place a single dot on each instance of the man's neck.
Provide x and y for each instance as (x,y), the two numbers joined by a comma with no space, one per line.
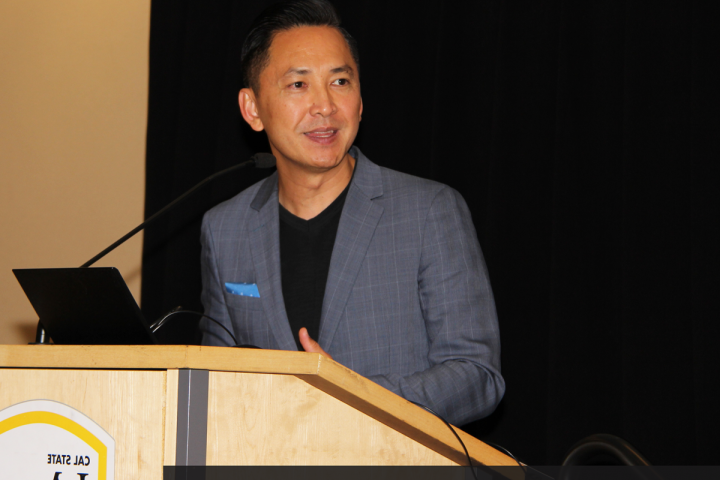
(306,194)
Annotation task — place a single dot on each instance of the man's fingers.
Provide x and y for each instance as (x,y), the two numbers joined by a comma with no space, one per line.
(309,344)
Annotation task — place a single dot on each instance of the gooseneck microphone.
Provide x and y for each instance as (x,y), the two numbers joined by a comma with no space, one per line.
(259,160)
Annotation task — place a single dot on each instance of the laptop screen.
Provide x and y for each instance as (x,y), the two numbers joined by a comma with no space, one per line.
(85,306)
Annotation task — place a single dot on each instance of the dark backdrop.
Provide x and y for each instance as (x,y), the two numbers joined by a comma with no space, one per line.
(584,137)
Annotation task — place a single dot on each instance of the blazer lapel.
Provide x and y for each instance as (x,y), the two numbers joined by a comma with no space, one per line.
(265,245)
(359,219)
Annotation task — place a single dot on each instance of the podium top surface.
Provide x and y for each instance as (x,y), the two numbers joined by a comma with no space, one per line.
(320,372)
(160,357)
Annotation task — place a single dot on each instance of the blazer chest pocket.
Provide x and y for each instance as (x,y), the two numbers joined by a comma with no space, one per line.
(240,302)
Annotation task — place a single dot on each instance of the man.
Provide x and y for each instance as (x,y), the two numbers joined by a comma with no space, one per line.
(332,254)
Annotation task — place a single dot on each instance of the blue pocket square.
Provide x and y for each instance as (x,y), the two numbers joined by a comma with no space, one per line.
(244,289)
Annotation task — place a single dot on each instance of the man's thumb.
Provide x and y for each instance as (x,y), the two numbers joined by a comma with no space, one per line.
(308,343)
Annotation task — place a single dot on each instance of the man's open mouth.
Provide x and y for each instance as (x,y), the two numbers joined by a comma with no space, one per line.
(323,136)
(325,133)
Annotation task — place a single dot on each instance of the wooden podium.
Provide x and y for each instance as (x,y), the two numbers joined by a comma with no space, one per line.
(191,405)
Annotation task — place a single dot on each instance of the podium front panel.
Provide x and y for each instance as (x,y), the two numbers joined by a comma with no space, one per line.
(262,419)
(129,405)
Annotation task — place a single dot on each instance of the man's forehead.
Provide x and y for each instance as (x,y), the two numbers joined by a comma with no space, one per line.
(301,49)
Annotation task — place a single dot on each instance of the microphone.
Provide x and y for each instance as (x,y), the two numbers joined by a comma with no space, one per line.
(259,160)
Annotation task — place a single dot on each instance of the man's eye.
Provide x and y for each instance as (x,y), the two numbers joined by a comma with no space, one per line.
(342,81)
(298,84)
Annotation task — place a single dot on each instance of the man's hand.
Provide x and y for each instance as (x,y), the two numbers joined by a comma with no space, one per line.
(311,345)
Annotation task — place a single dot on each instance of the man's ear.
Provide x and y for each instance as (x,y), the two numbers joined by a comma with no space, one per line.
(249,110)
(361,109)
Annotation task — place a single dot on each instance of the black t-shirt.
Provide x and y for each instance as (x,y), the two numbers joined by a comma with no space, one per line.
(305,251)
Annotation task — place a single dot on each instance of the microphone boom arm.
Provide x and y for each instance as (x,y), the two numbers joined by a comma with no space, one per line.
(258,160)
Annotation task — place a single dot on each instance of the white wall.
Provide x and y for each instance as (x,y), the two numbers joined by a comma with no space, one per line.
(73,110)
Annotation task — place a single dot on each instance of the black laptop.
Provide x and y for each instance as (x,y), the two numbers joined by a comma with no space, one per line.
(85,306)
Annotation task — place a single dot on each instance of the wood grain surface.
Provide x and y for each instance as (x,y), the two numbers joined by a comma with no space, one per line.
(263,419)
(127,404)
(324,374)
(170,417)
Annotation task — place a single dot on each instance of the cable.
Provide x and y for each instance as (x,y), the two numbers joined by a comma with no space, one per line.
(156,326)
(472,468)
(509,454)
(469,459)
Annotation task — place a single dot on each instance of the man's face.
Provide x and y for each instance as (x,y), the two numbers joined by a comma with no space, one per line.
(309,100)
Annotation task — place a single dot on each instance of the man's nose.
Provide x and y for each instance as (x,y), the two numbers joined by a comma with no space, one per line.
(323,103)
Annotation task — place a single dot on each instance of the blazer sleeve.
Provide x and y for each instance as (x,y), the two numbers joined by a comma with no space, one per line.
(463,382)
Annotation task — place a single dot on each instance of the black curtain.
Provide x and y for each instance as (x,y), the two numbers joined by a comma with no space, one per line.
(584,137)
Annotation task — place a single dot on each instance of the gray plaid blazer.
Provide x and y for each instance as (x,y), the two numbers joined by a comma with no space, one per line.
(408,302)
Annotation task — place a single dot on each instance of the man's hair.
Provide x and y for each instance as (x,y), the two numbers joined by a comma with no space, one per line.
(278,18)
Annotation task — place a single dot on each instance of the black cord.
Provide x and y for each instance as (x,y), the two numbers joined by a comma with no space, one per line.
(469,459)
(472,468)
(156,326)
(509,454)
